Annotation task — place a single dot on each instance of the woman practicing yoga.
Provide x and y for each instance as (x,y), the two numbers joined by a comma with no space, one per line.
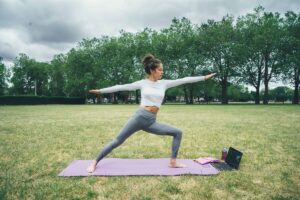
(152,94)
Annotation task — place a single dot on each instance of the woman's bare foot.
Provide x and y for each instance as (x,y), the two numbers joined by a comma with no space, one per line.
(178,165)
(174,164)
(92,167)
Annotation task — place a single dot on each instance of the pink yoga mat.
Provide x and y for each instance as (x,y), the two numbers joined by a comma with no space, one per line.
(137,167)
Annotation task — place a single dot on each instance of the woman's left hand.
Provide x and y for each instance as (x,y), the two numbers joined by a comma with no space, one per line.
(94,91)
(209,76)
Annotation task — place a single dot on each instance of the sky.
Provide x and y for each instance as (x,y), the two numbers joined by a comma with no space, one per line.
(44,28)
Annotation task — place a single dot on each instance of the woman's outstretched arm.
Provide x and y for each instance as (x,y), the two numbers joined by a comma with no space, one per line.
(126,87)
(173,83)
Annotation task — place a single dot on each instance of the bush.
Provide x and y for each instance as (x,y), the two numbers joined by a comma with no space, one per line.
(35,100)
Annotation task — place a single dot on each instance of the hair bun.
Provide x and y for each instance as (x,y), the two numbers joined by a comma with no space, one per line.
(150,63)
(148,58)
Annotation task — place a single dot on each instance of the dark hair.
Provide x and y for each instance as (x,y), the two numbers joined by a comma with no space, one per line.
(150,63)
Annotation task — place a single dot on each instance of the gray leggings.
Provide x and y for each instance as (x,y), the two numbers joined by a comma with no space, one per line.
(146,121)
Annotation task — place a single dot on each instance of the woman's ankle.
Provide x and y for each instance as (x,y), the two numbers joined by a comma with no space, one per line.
(173,161)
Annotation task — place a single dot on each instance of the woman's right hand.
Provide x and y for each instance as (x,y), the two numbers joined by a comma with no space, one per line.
(94,91)
(209,76)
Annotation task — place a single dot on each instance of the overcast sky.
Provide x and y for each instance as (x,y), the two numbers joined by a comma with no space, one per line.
(43,28)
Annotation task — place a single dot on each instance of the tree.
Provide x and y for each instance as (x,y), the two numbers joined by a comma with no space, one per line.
(291,52)
(183,55)
(80,66)
(220,42)
(37,72)
(238,93)
(271,28)
(57,75)
(3,77)
(208,90)
(251,68)
(118,64)
(281,94)
(22,82)
(262,35)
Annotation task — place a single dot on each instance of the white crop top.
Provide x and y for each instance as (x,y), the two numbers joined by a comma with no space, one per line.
(152,92)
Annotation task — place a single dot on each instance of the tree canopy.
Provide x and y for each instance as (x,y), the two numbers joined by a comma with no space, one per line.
(255,49)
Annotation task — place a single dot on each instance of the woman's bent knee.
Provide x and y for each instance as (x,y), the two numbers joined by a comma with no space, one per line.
(178,133)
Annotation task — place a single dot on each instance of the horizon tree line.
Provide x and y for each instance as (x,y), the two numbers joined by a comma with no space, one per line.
(253,49)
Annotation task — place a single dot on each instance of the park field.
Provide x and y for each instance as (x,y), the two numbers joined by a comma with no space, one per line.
(38,142)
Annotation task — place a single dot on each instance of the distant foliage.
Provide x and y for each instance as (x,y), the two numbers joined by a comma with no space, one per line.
(255,49)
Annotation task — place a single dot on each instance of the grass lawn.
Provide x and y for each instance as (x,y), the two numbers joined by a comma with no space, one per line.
(38,142)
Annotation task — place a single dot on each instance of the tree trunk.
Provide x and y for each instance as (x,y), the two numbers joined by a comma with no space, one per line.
(99,99)
(115,101)
(296,88)
(35,85)
(257,95)
(191,95)
(186,98)
(266,81)
(137,97)
(224,91)
(126,98)
(266,95)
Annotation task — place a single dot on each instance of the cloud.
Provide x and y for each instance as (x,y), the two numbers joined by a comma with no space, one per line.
(40,21)
(7,51)
(9,40)
(42,29)
(53,31)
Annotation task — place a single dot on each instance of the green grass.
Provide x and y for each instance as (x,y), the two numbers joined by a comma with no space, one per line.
(37,142)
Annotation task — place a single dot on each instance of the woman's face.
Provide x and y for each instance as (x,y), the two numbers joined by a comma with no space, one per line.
(158,72)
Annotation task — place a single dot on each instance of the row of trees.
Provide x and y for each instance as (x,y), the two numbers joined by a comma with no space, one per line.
(254,49)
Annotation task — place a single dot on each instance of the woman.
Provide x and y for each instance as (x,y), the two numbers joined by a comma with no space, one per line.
(152,94)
